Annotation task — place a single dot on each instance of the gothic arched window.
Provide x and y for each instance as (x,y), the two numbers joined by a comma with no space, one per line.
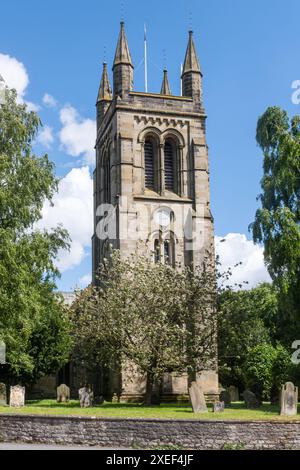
(157,254)
(169,250)
(164,249)
(170,166)
(149,164)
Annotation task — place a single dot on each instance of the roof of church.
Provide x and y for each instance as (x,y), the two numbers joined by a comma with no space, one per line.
(105,92)
(165,88)
(122,55)
(191,61)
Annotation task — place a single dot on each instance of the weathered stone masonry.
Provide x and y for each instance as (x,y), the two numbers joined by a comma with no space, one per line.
(149,433)
(152,165)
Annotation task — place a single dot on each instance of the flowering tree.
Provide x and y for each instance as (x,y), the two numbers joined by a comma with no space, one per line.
(150,315)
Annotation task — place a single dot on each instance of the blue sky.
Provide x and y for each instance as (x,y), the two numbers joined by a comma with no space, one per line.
(249,55)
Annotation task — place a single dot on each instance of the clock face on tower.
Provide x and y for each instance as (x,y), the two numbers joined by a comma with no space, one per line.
(162,217)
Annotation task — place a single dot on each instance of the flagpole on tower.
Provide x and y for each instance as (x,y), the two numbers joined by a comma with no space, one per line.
(145,59)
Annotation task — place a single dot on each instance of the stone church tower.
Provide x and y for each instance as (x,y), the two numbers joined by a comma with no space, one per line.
(151,181)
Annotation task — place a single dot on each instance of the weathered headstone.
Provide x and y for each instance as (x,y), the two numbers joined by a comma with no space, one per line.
(17,396)
(288,399)
(197,398)
(233,392)
(99,400)
(115,398)
(86,397)
(63,394)
(251,400)
(219,407)
(225,397)
(3,399)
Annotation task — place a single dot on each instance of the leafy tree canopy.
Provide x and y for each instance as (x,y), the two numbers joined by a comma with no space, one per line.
(30,312)
(147,315)
(277,222)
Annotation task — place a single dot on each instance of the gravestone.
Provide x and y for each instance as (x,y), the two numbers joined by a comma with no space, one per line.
(17,396)
(288,399)
(233,392)
(86,397)
(197,398)
(115,398)
(225,397)
(251,401)
(219,407)
(99,400)
(63,394)
(3,399)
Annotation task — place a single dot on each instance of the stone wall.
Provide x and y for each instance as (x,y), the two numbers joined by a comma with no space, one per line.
(150,433)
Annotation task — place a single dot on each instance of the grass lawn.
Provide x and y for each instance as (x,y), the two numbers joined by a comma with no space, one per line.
(236,411)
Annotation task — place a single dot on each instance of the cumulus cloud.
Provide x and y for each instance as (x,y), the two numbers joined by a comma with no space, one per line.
(45,137)
(77,135)
(85,280)
(15,76)
(73,208)
(49,101)
(234,248)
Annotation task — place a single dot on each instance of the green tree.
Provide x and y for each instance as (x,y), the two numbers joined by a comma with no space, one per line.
(277,222)
(266,369)
(246,319)
(29,308)
(148,316)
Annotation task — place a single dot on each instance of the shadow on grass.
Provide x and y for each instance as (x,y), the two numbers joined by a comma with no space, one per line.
(105,405)
(240,406)
(236,407)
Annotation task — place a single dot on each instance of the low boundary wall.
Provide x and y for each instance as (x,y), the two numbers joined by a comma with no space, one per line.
(150,433)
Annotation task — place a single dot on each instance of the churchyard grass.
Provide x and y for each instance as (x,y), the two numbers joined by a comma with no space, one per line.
(235,411)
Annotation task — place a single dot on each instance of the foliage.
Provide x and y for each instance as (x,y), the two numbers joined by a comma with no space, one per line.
(149,316)
(266,368)
(29,309)
(247,319)
(277,222)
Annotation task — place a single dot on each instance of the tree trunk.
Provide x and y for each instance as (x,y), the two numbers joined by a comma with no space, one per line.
(149,387)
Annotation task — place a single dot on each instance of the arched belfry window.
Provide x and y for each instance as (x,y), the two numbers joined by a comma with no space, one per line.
(149,164)
(170,166)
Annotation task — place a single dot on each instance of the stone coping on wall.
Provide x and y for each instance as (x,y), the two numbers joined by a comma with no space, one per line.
(148,420)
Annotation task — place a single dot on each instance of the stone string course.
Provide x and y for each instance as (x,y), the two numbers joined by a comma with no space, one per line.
(150,433)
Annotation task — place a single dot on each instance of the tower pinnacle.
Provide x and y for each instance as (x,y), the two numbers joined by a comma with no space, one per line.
(165,88)
(123,67)
(104,93)
(122,54)
(191,61)
(191,73)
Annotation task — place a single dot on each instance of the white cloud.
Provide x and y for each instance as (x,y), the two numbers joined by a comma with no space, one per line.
(31,106)
(235,248)
(49,101)
(15,76)
(77,135)
(85,280)
(45,137)
(69,259)
(73,208)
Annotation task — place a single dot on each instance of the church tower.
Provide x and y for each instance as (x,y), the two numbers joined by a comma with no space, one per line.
(151,181)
